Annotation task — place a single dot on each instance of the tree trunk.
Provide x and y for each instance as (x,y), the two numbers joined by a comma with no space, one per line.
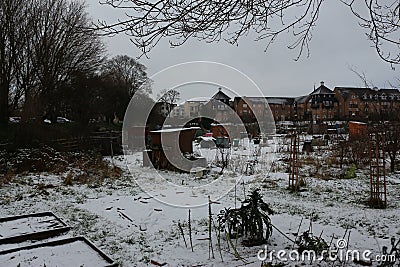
(392,164)
(4,89)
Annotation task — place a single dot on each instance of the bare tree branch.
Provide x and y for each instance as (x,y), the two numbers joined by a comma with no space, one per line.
(147,22)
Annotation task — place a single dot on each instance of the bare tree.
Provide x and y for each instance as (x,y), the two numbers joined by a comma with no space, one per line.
(127,73)
(11,32)
(358,153)
(169,96)
(62,45)
(26,82)
(392,143)
(149,21)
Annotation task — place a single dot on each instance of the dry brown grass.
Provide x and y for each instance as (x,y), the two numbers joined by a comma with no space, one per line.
(78,168)
(7,177)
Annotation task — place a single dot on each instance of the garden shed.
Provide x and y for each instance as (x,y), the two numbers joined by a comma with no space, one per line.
(176,143)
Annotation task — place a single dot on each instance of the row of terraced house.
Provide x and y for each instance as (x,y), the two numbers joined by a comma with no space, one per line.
(322,104)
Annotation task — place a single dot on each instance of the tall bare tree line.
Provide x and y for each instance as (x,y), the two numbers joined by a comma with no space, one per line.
(42,44)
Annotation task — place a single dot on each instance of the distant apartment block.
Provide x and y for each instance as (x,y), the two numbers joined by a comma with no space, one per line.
(324,104)
(321,104)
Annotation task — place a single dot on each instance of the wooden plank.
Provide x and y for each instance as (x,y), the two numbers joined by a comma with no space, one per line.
(57,243)
(38,235)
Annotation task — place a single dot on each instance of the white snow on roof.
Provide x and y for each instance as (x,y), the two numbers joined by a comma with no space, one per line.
(207,138)
(175,130)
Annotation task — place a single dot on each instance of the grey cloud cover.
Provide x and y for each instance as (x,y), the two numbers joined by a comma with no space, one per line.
(338,43)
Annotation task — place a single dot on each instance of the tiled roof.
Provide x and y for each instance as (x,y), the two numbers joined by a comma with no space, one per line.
(269,100)
(301,99)
(390,91)
(360,92)
(280,100)
(220,96)
(348,91)
(322,90)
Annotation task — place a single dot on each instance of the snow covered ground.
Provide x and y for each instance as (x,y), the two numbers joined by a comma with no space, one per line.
(137,228)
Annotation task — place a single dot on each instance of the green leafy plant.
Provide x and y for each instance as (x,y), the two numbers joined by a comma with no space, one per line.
(351,173)
(251,221)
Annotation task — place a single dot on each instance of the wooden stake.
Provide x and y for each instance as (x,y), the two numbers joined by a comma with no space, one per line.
(182,233)
(190,232)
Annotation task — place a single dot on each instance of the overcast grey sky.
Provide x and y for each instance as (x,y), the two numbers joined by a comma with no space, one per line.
(338,43)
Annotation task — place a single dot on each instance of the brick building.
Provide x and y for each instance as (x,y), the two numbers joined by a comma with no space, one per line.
(221,106)
(322,104)
(282,108)
(248,108)
(367,103)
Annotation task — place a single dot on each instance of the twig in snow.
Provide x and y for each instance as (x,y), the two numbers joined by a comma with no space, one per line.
(210,246)
(236,253)
(182,233)
(298,230)
(347,247)
(218,233)
(282,233)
